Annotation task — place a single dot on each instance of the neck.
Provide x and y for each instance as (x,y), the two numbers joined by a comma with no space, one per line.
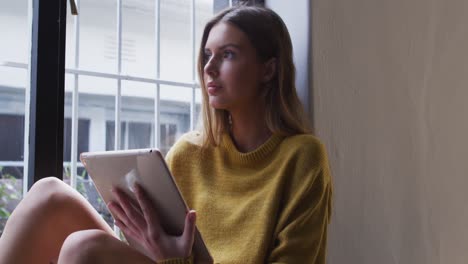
(249,129)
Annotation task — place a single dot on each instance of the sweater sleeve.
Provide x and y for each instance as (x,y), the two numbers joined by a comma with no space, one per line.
(188,260)
(301,235)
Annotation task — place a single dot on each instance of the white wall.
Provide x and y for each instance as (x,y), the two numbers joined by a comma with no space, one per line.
(296,16)
(391,104)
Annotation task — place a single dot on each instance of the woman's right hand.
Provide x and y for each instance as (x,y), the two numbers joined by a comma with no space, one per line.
(139,221)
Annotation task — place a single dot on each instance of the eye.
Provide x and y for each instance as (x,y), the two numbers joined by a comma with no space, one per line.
(228,54)
(206,57)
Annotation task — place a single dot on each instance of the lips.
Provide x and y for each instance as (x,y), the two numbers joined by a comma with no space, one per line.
(213,88)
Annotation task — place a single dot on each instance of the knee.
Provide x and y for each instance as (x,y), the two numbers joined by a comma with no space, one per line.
(85,246)
(45,184)
(50,193)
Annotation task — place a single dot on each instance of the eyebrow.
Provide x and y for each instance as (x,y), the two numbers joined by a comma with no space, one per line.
(228,45)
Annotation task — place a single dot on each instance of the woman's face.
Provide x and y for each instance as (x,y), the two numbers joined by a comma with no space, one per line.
(232,72)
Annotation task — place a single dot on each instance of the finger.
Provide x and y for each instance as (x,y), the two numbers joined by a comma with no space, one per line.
(149,213)
(119,215)
(128,232)
(132,211)
(188,236)
(130,201)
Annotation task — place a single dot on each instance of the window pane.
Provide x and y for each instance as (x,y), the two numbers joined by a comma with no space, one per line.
(110,134)
(176,47)
(175,110)
(139,135)
(203,13)
(83,138)
(168,136)
(11,137)
(138,114)
(138,38)
(98,35)
(13,79)
(96,106)
(14,28)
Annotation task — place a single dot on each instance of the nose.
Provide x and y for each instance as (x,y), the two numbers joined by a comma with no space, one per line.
(212,67)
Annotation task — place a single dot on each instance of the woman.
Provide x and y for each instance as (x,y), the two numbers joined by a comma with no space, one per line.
(260,183)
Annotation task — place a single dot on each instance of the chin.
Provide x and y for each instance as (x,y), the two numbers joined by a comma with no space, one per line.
(218,105)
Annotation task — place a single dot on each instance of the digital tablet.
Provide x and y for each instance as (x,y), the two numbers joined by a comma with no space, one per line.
(147,167)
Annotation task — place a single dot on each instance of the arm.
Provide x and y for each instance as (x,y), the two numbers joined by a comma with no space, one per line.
(301,235)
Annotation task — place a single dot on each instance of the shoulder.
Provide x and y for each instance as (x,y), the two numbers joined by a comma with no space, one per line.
(304,146)
(303,139)
(187,144)
(193,138)
(308,156)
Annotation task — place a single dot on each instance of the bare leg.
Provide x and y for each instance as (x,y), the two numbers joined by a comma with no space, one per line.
(39,225)
(97,246)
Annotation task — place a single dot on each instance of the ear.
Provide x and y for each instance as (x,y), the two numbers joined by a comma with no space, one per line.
(269,70)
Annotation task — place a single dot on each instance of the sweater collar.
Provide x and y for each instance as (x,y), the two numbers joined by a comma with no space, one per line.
(255,155)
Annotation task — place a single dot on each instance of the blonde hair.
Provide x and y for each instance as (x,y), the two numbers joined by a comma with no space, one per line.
(269,36)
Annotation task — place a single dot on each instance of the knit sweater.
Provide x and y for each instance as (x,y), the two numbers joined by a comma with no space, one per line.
(270,205)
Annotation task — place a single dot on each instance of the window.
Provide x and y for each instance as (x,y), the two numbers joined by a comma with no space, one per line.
(132,63)
(121,67)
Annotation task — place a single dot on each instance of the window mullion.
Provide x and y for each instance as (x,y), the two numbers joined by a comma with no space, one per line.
(157,103)
(47,72)
(27,106)
(75,103)
(118,99)
(127,134)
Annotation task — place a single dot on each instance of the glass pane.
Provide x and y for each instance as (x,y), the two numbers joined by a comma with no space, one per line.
(203,13)
(98,35)
(14,28)
(139,135)
(176,47)
(97,104)
(138,114)
(175,114)
(83,138)
(110,134)
(138,38)
(13,79)
(83,125)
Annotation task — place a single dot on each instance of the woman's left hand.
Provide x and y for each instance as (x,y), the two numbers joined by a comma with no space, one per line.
(139,221)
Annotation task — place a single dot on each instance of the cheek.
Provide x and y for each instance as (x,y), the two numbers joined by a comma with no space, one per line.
(230,72)
(240,77)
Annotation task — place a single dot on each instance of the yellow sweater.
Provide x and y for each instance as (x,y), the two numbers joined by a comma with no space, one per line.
(271,205)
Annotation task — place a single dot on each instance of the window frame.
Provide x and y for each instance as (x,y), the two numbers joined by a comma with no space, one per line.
(45,94)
